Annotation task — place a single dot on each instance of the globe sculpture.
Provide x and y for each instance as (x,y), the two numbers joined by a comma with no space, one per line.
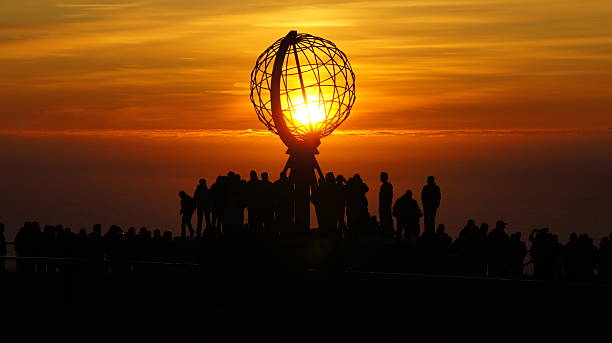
(302,88)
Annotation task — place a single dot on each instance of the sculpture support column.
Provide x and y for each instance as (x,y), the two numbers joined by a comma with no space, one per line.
(302,161)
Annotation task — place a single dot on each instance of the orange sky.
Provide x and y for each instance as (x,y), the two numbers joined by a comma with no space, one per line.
(439,64)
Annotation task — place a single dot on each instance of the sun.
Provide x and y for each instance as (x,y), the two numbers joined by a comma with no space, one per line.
(308,114)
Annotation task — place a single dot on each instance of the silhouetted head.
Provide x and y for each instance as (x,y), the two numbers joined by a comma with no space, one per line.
(384,177)
(182,194)
(340,178)
(97,228)
(500,225)
(253,175)
(330,178)
(408,194)
(431,180)
(484,228)
(357,177)
(202,182)
(230,174)
(554,238)
(471,222)
(264,176)
(282,176)
(573,237)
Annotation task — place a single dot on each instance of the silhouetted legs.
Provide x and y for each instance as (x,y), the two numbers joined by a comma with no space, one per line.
(386,219)
(203,216)
(267,219)
(186,223)
(401,228)
(412,232)
(217,220)
(429,217)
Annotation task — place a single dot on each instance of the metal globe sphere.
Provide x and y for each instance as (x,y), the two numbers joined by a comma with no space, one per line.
(317,87)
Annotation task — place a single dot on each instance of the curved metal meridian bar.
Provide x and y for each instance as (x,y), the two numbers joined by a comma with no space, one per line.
(277,112)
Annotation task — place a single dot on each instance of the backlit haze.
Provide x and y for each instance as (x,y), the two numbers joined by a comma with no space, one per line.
(109,108)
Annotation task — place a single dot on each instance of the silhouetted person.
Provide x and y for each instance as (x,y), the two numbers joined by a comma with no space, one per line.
(218,197)
(203,203)
(605,259)
(474,255)
(24,247)
(266,196)
(408,215)
(426,245)
(282,204)
(430,198)
(385,201)
(326,197)
(441,250)
(570,257)
(340,206)
(187,209)
(357,204)
(253,202)
(498,244)
(546,253)
(236,200)
(95,251)
(2,249)
(518,251)
(586,258)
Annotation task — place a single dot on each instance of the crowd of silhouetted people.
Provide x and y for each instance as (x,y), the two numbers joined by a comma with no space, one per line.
(341,208)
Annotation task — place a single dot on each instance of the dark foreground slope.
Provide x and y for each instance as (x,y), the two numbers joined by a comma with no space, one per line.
(252,291)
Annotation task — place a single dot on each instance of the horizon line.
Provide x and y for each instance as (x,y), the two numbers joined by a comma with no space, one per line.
(187,133)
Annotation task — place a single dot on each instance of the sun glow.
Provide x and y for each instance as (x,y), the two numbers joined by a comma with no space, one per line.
(309,114)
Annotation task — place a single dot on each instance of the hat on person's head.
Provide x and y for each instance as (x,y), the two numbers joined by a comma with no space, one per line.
(501,223)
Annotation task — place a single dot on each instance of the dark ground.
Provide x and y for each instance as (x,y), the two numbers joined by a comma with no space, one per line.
(258,296)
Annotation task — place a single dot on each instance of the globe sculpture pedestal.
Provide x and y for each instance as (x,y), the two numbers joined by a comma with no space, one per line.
(303,164)
(302,88)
